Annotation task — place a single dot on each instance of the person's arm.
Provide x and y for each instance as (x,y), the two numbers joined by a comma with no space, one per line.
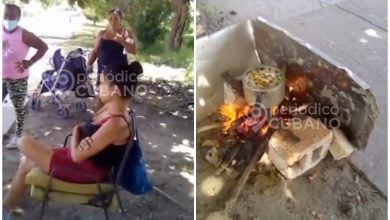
(76,137)
(128,41)
(106,135)
(95,51)
(35,42)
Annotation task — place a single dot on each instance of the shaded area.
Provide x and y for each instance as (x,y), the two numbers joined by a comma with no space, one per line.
(167,143)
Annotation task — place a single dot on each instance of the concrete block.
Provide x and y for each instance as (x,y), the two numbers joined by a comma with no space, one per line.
(296,149)
(340,147)
(232,95)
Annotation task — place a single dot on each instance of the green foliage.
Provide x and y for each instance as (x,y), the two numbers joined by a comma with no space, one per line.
(151,21)
(95,10)
(188,38)
(159,53)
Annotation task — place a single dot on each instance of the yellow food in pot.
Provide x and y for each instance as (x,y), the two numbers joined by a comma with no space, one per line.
(263,78)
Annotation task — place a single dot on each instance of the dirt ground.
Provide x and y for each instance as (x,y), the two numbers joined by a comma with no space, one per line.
(167,143)
(332,190)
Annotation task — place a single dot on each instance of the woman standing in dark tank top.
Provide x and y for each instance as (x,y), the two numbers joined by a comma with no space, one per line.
(112,44)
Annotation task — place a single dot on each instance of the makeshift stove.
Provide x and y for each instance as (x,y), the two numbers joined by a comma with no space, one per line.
(293,105)
(262,108)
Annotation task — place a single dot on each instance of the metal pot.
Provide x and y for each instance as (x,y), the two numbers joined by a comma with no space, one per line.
(269,92)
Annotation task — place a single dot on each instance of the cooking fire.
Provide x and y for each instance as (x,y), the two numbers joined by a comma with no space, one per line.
(266,115)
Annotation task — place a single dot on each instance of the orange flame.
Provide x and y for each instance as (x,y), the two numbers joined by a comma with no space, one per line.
(275,110)
(264,130)
(232,112)
(299,84)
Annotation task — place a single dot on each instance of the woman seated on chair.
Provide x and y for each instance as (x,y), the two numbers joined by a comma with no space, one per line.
(96,146)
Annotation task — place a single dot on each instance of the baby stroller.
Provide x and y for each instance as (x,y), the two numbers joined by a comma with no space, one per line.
(69,75)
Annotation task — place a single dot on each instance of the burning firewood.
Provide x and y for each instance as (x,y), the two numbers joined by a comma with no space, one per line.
(229,157)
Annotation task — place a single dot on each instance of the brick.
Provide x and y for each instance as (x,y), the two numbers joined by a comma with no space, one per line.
(233,95)
(340,147)
(296,149)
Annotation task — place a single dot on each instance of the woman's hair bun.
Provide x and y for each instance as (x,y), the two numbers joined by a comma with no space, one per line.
(124,76)
(116,11)
(136,67)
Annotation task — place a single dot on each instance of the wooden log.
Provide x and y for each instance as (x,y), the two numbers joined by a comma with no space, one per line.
(170,198)
(226,162)
(209,127)
(245,175)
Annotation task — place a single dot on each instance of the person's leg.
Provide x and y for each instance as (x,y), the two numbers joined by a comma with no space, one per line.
(5,90)
(35,154)
(17,186)
(18,93)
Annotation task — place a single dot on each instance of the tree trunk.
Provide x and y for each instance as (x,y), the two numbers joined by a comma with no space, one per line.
(180,9)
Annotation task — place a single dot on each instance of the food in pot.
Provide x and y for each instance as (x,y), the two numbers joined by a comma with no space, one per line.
(263,77)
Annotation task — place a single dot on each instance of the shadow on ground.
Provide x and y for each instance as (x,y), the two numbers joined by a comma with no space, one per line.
(167,142)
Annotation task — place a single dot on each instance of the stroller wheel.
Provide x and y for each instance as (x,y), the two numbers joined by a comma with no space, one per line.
(63,112)
(81,106)
(36,104)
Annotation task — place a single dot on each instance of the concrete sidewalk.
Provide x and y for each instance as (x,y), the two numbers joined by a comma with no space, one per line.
(353,32)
